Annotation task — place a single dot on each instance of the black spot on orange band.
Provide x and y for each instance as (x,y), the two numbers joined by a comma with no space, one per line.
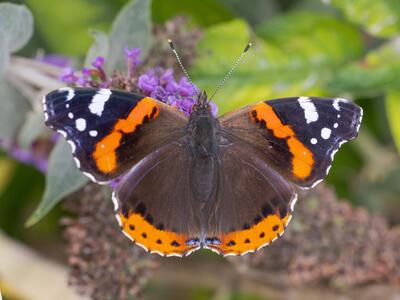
(257,236)
(154,240)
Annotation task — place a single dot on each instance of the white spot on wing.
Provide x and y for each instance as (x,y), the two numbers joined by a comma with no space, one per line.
(93,133)
(115,201)
(310,111)
(70,91)
(77,162)
(293,202)
(359,121)
(62,132)
(72,144)
(118,219)
(314,141)
(336,125)
(70,115)
(80,124)
(337,101)
(99,100)
(92,178)
(132,240)
(326,133)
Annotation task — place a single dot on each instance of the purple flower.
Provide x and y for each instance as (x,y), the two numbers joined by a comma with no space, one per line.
(132,60)
(161,84)
(98,62)
(148,82)
(186,88)
(133,54)
(68,76)
(55,60)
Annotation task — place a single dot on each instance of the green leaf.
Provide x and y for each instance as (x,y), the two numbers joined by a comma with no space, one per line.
(100,46)
(13,110)
(62,179)
(318,39)
(31,129)
(16,21)
(131,28)
(272,69)
(380,18)
(393,110)
(203,13)
(64,26)
(378,71)
(258,11)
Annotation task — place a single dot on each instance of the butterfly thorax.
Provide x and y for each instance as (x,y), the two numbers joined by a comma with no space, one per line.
(203,129)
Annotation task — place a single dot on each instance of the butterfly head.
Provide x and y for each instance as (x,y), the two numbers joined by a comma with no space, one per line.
(202,105)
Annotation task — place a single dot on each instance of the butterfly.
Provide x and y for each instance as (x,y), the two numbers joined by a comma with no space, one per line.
(189,182)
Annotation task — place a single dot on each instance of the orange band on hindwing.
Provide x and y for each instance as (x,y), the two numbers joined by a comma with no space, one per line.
(105,151)
(254,238)
(303,160)
(153,239)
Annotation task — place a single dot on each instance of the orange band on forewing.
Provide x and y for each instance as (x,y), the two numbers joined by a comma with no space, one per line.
(259,235)
(105,150)
(141,110)
(303,160)
(153,239)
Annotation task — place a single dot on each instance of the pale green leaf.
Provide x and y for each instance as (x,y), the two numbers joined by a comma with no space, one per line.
(62,179)
(4,54)
(16,28)
(31,129)
(132,29)
(16,21)
(100,46)
(13,110)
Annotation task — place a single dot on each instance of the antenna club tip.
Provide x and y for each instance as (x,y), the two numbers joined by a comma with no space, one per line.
(171,44)
(248,46)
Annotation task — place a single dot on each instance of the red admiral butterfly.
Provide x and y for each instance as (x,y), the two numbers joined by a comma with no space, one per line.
(227,184)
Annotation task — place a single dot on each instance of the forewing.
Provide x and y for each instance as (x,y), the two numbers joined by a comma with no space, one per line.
(154,203)
(109,130)
(297,136)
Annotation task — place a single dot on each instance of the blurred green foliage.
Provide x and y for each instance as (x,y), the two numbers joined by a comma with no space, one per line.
(336,48)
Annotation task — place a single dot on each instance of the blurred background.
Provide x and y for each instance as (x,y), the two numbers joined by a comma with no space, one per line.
(333,48)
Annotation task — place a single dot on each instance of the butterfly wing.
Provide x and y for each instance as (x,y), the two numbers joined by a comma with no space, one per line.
(298,137)
(108,129)
(267,149)
(253,203)
(154,202)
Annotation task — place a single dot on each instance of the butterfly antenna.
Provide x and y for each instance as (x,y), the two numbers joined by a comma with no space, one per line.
(178,58)
(222,82)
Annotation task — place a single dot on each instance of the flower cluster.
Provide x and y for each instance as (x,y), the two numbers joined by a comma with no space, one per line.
(87,77)
(158,82)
